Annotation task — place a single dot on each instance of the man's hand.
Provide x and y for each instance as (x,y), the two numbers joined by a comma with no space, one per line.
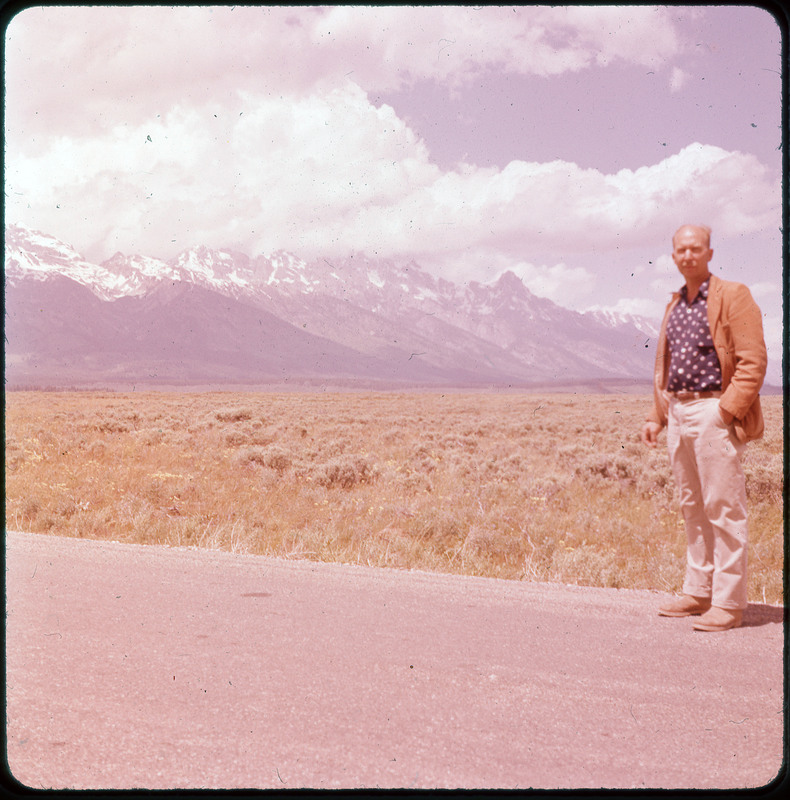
(650,431)
(726,416)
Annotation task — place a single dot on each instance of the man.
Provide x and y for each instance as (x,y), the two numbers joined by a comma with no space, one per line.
(710,366)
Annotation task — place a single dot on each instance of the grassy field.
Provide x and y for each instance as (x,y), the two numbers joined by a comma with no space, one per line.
(525,487)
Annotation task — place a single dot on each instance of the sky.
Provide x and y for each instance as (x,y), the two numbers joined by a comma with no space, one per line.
(565,144)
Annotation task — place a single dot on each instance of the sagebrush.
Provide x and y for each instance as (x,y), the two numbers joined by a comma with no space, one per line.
(535,487)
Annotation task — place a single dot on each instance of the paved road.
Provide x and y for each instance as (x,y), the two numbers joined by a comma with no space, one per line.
(132,666)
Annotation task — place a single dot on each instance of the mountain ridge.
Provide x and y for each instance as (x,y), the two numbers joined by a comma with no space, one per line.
(221,315)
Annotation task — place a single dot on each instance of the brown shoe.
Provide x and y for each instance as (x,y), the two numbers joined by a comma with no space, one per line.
(719,619)
(685,606)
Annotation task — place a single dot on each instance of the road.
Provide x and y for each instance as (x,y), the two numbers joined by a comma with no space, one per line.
(133,666)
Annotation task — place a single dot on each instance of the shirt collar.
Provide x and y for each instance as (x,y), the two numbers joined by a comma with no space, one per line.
(703,290)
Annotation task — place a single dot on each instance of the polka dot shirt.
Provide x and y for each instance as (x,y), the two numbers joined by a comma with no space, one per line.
(694,365)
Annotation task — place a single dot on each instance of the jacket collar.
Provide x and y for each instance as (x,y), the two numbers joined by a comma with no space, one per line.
(714,300)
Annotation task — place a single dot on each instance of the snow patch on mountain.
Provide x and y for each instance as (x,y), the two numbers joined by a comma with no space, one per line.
(375,279)
(486,329)
(617,319)
(31,253)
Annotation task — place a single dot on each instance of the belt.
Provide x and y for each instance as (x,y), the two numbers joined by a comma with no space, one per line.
(684,396)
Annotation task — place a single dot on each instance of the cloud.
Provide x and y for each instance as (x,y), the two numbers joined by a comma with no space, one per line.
(152,129)
(768,296)
(84,69)
(558,208)
(328,173)
(652,309)
(642,35)
(677,79)
(564,285)
(765,289)
(666,278)
(454,43)
(263,175)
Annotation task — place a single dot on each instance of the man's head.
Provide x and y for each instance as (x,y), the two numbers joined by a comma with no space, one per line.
(692,253)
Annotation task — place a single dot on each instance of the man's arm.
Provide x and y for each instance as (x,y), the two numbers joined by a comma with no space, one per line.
(746,349)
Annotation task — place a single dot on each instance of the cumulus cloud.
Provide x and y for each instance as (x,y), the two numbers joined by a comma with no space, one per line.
(91,68)
(665,276)
(564,285)
(454,43)
(280,174)
(560,208)
(331,172)
(153,129)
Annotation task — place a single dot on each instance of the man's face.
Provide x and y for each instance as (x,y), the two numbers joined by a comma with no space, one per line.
(692,254)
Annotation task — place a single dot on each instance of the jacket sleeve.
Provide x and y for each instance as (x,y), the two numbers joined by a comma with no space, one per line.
(744,349)
(658,413)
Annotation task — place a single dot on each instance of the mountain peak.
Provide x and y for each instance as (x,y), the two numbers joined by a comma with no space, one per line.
(382,312)
(509,281)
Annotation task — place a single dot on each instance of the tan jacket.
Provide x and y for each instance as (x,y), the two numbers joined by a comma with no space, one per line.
(736,326)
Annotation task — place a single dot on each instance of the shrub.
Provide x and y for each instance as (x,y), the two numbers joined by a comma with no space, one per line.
(273,456)
(764,481)
(504,485)
(233,414)
(344,471)
(276,458)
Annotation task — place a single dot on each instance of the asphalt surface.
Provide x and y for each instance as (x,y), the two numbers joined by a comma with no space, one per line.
(132,666)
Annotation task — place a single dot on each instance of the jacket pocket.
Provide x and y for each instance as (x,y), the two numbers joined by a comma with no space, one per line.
(752,425)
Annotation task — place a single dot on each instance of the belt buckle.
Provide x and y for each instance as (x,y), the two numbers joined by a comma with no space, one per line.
(696,395)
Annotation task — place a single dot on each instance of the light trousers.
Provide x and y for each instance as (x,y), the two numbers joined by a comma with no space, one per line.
(705,457)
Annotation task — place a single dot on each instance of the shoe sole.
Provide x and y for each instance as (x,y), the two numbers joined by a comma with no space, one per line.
(716,628)
(682,613)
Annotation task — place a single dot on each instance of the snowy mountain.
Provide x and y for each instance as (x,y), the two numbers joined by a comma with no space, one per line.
(616,318)
(220,316)
(29,254)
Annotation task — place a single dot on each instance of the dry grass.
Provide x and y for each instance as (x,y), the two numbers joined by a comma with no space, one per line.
(545,488)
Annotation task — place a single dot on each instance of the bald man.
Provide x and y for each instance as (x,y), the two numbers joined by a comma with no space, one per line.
(710,366)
